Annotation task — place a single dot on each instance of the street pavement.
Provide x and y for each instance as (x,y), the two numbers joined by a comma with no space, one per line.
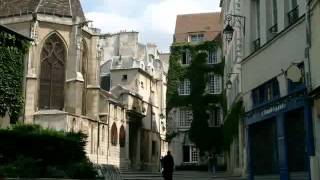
(179,175)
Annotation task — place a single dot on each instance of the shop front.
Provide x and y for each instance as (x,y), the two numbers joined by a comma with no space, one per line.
(280,139)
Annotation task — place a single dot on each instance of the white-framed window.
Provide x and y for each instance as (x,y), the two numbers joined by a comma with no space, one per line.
(190,154)
(215,117)
(199,37)
(184,87)
(214,83)
(186,57)
(185,118)
(213,57)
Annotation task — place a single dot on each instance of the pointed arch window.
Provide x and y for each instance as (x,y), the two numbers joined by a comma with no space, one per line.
(122,137)
(52,74)
(114,134)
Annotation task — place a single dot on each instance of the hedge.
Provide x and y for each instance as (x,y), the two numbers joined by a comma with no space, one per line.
(31,151)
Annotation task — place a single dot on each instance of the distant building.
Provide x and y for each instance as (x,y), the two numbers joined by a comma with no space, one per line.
(136,75)
(192,31)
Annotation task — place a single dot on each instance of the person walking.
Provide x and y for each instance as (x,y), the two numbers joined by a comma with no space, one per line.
(168,166)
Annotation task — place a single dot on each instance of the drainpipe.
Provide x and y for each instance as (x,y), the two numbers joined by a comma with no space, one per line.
(108,148)
(308,46)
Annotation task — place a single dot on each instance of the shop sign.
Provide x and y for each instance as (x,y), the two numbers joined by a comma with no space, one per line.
(273,109)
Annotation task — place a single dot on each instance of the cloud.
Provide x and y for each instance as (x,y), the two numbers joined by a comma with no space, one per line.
(154,19)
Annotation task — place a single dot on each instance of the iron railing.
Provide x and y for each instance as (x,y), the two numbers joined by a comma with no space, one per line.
(274,29)
(293,15)
(256,44)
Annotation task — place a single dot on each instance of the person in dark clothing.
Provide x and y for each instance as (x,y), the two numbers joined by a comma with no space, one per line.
(168,164)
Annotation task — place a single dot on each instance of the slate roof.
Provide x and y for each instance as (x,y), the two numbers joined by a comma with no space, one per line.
(63,8)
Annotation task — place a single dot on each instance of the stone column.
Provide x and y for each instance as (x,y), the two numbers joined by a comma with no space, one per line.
(93,78)
(74,80)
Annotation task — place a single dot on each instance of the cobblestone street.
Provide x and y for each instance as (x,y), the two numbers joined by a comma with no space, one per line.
(178,175)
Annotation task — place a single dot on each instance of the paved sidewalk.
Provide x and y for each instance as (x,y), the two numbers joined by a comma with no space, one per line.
(179,175)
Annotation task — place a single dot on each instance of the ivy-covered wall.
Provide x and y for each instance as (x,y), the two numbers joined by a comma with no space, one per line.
(12,52)
(199,100)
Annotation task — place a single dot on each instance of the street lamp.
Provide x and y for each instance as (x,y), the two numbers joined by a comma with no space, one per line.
(229,84)
(229,30)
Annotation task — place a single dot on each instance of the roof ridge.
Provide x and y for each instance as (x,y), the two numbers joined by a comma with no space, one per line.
(199,13)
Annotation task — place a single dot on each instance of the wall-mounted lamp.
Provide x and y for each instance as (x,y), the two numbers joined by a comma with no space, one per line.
(229,84)
(229,30)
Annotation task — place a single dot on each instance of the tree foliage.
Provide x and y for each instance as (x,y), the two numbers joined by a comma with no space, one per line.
(12,52)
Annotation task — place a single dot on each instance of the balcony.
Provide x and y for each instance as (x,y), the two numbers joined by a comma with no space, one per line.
(274,29)
(293,15)
(256,44)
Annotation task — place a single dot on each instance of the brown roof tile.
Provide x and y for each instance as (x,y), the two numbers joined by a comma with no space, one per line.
(209,23)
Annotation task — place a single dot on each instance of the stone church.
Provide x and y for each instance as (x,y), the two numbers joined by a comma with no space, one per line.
(62,84)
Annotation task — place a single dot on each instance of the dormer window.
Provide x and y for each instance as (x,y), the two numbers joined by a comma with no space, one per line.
(199,37)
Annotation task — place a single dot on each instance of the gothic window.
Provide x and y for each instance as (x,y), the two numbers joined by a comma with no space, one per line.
(114,134)
(83,66)
(52,74)
(122,137)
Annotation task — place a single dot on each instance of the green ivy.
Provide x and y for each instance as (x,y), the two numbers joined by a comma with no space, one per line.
(12,52)
(231,124)
(199,100)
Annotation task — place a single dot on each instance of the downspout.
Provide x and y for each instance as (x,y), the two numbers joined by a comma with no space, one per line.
(307,49)
(108,133)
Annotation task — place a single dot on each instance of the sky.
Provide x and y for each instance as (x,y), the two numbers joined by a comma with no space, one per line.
(153,19)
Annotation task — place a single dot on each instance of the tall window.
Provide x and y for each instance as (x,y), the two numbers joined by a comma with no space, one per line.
(52,75)
(186,57)
(258,17)
(185,118)
(274,12)
(184,87)
(215,117)
(190,154)
(214,83)
(294,4)
(114,134)
(266,92)
(213,57)
(122,137)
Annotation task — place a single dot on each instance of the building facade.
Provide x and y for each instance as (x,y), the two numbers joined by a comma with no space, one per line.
(313,43)
(233,52)
(189,47)
(275,83)
(135,74)
(62,77)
